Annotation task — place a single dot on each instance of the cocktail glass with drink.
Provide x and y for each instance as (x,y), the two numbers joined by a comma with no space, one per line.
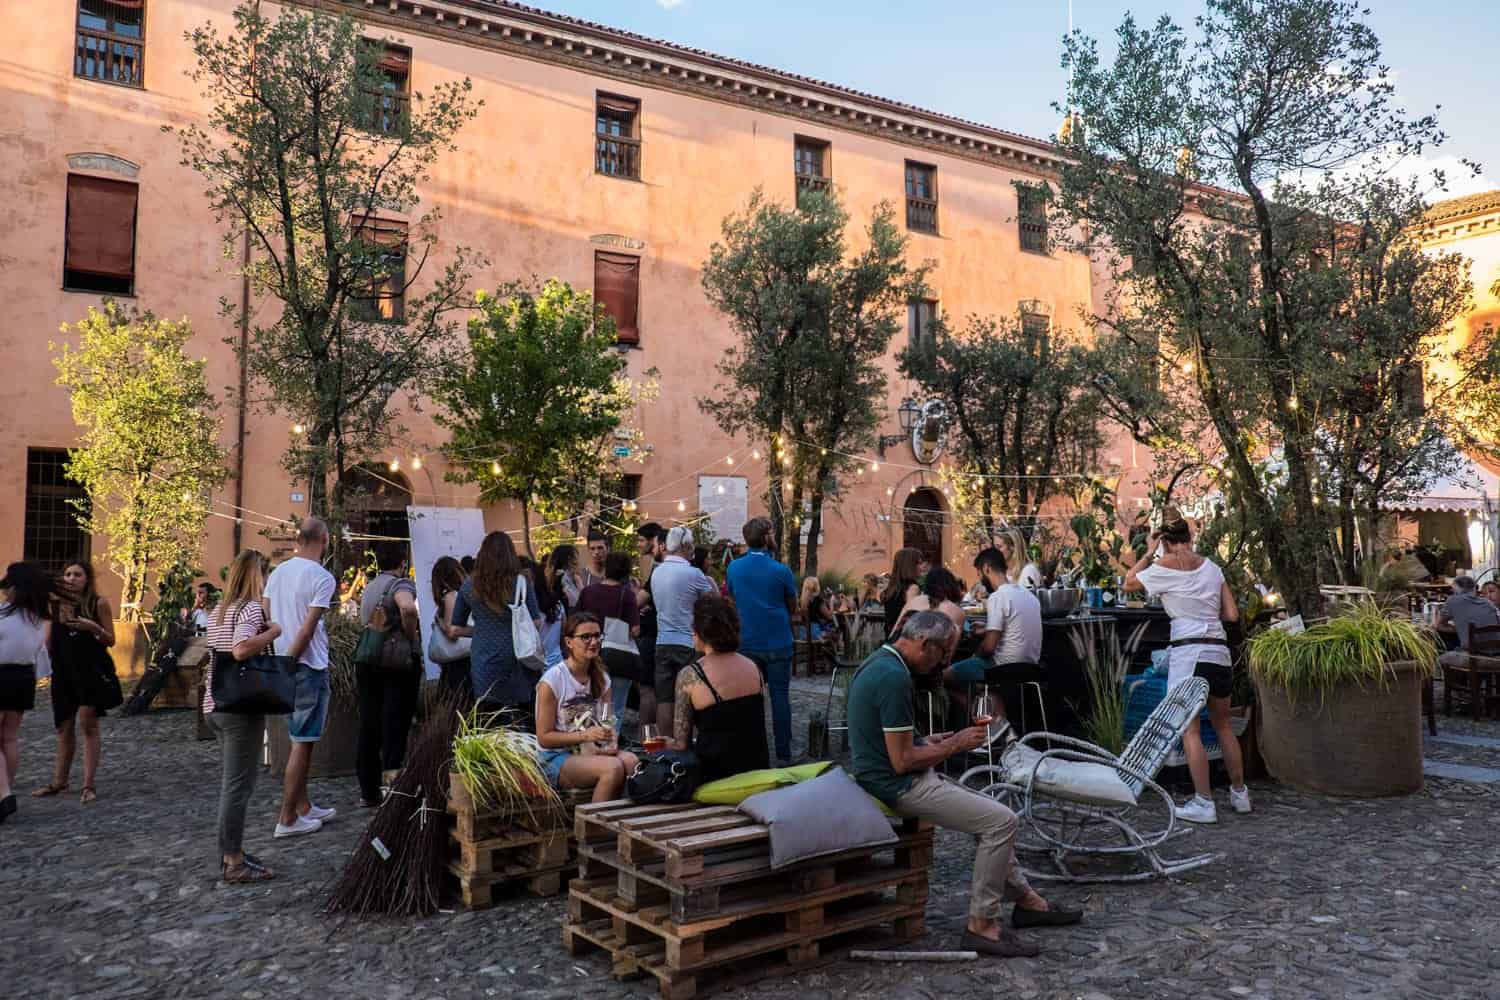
(651,738)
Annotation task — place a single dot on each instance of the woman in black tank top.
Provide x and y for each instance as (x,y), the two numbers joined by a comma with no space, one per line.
(720,711)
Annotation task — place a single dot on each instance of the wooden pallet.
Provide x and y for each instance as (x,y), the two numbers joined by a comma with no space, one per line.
(687,893)
(488,850)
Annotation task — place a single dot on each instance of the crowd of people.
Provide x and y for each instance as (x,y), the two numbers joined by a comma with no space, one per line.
(699,660)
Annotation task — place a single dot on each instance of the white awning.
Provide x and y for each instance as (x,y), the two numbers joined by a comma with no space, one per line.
(1470,488)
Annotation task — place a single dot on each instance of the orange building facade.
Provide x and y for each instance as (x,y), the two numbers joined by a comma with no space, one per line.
(536,189)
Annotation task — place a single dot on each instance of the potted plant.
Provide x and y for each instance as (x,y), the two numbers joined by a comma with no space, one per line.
(1341,702)
(334,755)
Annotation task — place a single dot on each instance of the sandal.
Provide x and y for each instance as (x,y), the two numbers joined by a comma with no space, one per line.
(89,794)
(248,870)
(49,789)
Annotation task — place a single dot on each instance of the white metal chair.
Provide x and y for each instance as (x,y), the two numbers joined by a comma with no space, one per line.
(1062,823)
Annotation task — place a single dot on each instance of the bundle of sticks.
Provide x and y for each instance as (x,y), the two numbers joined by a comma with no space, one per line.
(397,868)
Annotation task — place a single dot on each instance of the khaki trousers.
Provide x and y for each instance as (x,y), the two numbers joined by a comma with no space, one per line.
(951,806)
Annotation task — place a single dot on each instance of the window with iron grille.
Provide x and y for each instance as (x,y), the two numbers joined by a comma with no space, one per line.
(810,166)
(1032,218)
(99,235)
(1037,328)
(920,332)
(51,533)
(382,297)
(110,41)
(921,197)
(617,136)
(389,90)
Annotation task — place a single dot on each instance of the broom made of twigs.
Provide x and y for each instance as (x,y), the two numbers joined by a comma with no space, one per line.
(397,868)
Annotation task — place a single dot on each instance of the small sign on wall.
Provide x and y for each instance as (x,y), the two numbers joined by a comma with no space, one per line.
(299,498)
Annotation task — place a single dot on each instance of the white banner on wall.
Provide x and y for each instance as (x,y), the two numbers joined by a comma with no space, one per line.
(438,532)
(726,501)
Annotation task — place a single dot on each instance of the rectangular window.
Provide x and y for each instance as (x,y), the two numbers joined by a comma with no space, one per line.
(382,297)
(921,197)
(1037,328)
(51,535)
(629,487)
(810,166)
(617,136)
(1032,219)
(617,287)
(920,314)
(99,236)
(390,92)
(110,41)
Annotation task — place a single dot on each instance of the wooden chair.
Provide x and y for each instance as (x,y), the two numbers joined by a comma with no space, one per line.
(1474,672)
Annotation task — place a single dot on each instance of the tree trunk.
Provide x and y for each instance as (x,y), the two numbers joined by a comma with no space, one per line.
(526,525)
(815,527)
(775,508)
(793,548)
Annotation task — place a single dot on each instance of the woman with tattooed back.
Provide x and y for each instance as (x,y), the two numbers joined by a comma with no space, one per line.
(719,712)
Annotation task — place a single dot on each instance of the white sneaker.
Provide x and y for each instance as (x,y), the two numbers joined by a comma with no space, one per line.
(319,813)
(1198,810)
(1239,799)
(304,824)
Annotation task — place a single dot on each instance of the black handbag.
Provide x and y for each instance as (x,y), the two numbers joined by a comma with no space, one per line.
(667,777)
(264,684)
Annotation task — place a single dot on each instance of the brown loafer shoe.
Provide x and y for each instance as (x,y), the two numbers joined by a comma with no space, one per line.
(1008,946)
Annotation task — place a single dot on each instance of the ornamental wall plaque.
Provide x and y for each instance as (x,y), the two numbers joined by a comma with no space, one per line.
(616,240)
(929,436)
(103,163)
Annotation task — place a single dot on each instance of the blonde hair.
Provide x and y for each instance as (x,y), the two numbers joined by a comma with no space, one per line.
(247,582)
(1017,558)
(810,588)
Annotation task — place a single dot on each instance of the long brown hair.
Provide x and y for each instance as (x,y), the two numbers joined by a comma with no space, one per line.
(88,598)
(247,582)
(596,665)
(495,570)
(904,572)
(447,576)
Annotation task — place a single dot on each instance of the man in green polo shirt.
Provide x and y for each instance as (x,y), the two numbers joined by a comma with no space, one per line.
(894,766)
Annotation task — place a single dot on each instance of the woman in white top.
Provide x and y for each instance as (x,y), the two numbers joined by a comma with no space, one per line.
(569,719)
(1023,572)
(1194,594)
(25,600)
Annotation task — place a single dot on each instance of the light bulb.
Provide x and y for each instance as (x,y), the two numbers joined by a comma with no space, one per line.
(395,465)
(681,506)
(729,459)
(890,492)
(298,428)
(1187,368)
(494,468)
(721,488)
(755,454)
(787,487)
(416,462)
(823,452)
(874,466)
(1291,403)
(859,471)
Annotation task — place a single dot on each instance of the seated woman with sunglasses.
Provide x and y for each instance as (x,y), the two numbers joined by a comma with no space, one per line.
(573,723)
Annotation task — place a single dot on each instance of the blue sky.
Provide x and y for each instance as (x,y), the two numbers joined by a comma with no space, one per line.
(997,62)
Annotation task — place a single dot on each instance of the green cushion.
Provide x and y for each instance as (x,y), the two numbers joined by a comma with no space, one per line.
(736,788)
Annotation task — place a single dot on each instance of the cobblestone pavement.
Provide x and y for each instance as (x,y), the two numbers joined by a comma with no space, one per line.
(1314,898)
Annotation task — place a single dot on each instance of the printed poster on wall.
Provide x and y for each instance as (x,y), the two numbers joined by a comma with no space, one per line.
(438,532)
(726,501)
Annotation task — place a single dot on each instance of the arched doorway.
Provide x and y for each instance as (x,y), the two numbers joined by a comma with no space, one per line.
(375,501)
(922,523)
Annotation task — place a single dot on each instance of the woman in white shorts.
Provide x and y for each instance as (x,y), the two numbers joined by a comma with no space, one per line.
(1194,594)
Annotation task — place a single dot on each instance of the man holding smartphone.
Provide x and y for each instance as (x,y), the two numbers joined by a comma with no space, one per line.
(892,764)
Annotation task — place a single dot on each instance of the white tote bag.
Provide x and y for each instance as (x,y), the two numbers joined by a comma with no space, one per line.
(523,634)
(441,649)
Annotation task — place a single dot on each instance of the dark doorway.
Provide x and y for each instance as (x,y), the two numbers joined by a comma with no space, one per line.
(922,524)
(376,500)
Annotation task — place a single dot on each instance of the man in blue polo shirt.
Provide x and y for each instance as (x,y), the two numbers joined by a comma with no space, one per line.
(765,593)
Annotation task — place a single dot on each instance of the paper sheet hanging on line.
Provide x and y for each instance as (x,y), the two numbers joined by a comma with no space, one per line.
(726,501)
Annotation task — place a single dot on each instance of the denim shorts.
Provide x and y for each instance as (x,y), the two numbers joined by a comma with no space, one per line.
(552,762)
(309,706)
(971,671)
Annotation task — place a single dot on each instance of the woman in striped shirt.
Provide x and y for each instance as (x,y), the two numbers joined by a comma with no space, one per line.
(240,628)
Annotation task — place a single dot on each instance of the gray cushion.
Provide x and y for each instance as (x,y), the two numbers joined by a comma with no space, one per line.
(826,815)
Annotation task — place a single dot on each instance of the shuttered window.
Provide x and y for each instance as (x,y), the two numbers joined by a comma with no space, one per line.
(99,243)
(383,298)
(617,287)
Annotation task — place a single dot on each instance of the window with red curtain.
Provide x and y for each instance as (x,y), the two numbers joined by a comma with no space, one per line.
(617,287)
(99,240)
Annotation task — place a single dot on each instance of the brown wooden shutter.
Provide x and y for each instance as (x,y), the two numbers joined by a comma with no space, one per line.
(617,287)
(622,105)
(101,227)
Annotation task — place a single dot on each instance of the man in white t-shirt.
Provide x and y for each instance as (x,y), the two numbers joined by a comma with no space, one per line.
(1013,615)
(299,592)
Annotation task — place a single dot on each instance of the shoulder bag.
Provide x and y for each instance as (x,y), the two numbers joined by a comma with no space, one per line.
(265,684)
(440,648)
(525,640)
(667,777)
(384,644)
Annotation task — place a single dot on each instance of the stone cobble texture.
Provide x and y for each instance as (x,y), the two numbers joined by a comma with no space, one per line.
(1313,897)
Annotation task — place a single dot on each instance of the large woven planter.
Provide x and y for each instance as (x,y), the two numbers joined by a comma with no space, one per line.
(1358,741)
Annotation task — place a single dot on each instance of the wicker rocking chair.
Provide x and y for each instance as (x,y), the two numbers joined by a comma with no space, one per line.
(1066,818)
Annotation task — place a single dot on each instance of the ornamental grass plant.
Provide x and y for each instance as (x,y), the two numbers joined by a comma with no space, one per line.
(499,766)
(1358,646)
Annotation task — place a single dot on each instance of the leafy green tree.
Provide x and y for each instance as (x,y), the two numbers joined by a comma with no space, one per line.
(312,159)
(814,321)
(536,409)
(1022,411)
(1236,187)
(149,454)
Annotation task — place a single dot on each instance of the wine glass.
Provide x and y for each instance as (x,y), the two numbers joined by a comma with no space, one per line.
(605,714)
(651,739)
(986,706)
